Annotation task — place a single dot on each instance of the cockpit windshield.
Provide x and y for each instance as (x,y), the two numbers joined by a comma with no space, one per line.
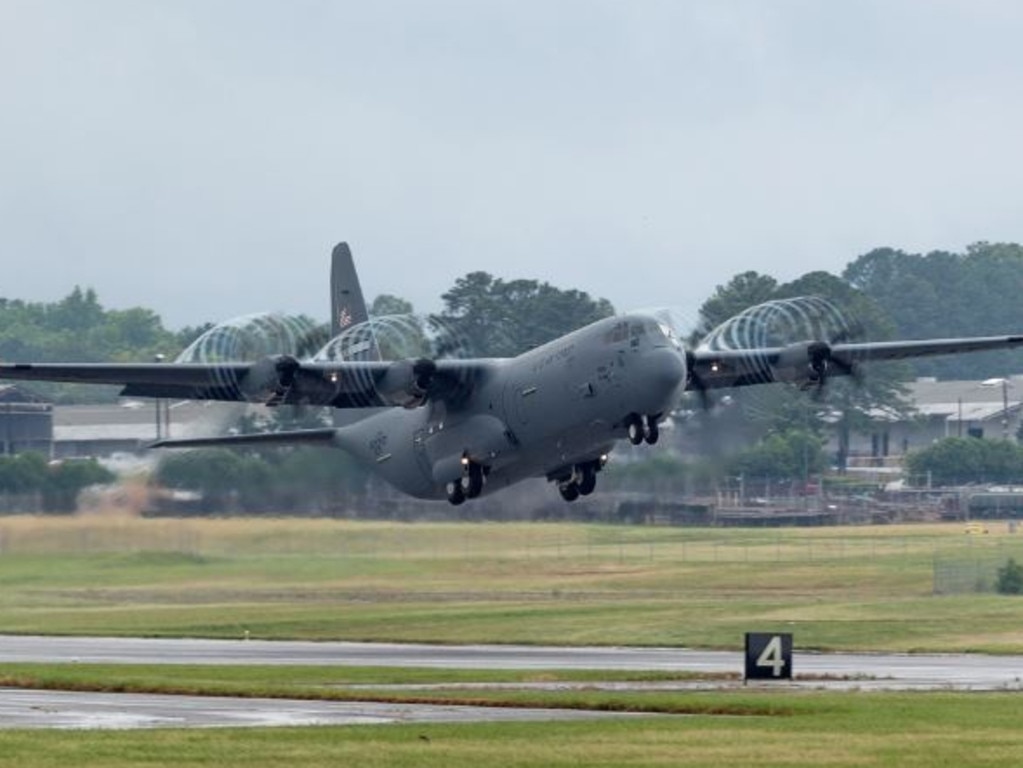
(669,333)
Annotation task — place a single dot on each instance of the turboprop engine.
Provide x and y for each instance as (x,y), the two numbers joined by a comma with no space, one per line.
(406,383)
(808,364)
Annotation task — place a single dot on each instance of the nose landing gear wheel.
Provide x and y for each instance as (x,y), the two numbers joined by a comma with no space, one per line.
(634,426)
(652,432)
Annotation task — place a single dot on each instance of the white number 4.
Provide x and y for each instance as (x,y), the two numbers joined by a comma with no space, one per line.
(773,656)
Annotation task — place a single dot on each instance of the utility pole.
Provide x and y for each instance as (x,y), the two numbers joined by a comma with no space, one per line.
(159,408)
(1005,384)
(1005,408)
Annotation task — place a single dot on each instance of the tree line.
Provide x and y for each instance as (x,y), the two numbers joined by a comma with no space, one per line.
(56,484)
(889,293)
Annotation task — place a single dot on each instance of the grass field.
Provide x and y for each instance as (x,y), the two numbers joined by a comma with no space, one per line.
(834,588)
(842,588)
(736,727)
(810,729)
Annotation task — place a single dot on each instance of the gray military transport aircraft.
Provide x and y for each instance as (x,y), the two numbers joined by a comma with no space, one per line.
(461,428)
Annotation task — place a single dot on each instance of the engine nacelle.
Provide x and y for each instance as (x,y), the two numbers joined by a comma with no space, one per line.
(270,379)
(407,382)
(804,364)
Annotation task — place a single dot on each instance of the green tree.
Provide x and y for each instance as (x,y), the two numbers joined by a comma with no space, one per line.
(789,455)
(846,403)
(58,482)
(386,304)
(961,460)
(214,472)
(78,329)
(68,478)
(661,473)
(80,311)
(505,318)
(1010,578)
(850,402)
(942,294)
(284,480)
(190,333)
(23,473)
(742,291)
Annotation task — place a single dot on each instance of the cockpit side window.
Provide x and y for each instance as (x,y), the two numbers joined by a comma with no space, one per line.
(620,332)
(637,331)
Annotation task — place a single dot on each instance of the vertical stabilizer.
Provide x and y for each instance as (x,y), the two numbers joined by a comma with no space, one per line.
(348,313)
(348,307)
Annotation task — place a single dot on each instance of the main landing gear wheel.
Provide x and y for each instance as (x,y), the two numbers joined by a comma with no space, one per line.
(472,480)
(582,481)
(569,491)
(455,493)
(587,479)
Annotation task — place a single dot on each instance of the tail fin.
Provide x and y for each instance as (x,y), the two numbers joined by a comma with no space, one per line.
(348,309)
(347,306)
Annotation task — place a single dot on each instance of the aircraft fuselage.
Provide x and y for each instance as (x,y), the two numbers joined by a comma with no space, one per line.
(544,413)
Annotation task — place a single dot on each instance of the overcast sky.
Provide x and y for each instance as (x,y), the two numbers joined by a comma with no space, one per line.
(201,158)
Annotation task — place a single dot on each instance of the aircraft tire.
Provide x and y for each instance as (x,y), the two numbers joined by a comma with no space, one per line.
(455,493)
(588,480)
(472,480)
(652,434)
(569,491)
(634,425)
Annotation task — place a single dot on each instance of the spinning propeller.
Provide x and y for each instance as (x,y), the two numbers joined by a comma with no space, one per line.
(785,325)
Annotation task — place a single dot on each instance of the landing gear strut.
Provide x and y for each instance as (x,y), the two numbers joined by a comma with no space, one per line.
(472,478)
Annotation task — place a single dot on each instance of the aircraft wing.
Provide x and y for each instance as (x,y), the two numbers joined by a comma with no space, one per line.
(278,380)
(286,437)
(802,362)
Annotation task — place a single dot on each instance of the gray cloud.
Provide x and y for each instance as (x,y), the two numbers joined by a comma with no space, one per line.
(201,158)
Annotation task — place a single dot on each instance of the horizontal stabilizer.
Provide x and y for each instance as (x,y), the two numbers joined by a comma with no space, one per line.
(292,437)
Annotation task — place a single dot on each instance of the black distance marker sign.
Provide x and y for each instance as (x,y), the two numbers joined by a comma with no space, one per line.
(768,656)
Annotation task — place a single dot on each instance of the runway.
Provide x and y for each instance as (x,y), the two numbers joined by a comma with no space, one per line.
(60,709)
(955,671)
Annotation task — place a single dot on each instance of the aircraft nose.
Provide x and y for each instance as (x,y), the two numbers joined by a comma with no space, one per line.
(668,374)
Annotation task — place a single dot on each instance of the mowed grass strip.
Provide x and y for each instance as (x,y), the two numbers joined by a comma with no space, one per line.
(312,682)
(815,729)
(869,588)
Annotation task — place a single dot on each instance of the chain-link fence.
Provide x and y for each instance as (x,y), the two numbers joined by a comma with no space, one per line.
(975,571)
